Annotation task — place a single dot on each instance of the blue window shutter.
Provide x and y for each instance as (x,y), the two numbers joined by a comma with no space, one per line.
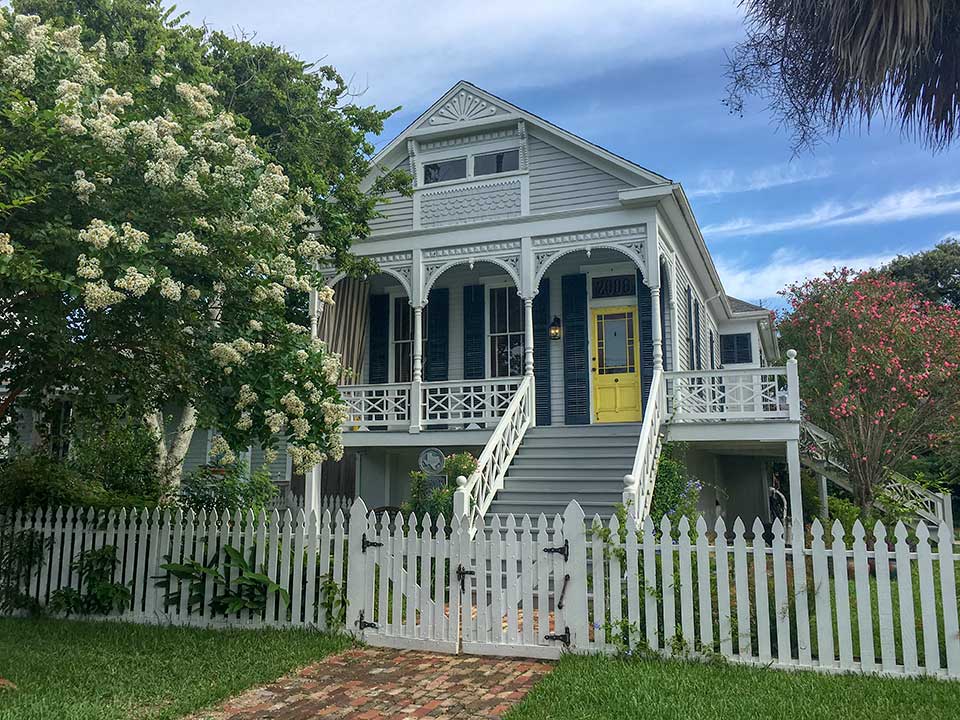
(379,366)
(576,395)
(698,339)
(664,290)
(474,334)
(691,352)
(713,352)
(438,336)
(541,351)
(645,311)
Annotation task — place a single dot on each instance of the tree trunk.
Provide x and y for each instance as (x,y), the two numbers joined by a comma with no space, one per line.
(171,453)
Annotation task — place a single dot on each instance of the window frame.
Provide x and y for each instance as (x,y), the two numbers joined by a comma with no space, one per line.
(491,288)
(474,157)
(466,169)
(469,152)
(735,353)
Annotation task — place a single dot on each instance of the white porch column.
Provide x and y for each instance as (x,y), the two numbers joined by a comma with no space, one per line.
(312,479)
(528,336)
(796,496)
(528,355)
(657,329)
(417,384)
(822,492)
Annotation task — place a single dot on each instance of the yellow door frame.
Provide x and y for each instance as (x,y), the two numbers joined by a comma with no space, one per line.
(615,396)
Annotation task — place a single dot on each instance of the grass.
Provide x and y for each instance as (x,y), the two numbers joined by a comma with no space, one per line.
(605,687)
(110,671)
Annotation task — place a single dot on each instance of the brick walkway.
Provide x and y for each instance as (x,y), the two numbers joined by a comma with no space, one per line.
(373,683)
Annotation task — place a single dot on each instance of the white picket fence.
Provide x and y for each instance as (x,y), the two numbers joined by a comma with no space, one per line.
(879,603)
(295,551)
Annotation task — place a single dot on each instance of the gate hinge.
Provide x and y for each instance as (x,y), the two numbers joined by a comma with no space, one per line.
(564,638)
(561,550)
(363,624)
(364,543)
(462,573)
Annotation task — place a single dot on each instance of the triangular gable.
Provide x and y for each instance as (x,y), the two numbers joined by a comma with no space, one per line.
(467,108)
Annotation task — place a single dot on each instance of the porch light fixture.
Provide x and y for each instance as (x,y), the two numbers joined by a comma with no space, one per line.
(554,330)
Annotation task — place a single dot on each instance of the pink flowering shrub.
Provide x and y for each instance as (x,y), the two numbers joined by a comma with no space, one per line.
(878,368)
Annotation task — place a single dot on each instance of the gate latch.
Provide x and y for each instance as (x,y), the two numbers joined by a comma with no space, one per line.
(462,573)
(561,550)
(564,637)
(563,591)
(364,624)
(364,543)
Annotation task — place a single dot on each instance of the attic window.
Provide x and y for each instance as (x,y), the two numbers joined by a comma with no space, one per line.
(498,162)
(444,170)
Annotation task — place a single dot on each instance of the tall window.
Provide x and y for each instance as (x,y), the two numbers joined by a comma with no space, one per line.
(506,332)
(403,339)
(736,349)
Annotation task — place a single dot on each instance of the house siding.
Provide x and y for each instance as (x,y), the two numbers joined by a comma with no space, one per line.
(560,181)
(683,282)
(397,210)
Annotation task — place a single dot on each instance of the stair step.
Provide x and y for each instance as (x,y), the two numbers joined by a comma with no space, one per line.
(607,430)
(574,453)
(562,485)
(581,441)
(522,460)
(578,474)
(603,509)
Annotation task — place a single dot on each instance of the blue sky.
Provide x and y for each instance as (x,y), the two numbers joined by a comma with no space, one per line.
(646,80)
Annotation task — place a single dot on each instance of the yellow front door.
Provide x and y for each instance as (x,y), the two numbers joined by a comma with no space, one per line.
(615,365)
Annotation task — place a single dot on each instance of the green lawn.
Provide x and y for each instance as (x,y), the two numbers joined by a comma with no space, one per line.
(98,671)
(600,687)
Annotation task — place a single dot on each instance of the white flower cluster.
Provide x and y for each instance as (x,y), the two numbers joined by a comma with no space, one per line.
(83,187)
(314,250)
(6,244)
(98,234)
(275,420)
(305,457)
(196,97)
(131,238)
(297,329)
(274,292)
(186,244)
(103,128)
(247,397)
(170,289)
(134,282)
(325,295)
(331,368)
(88,268)
(220,451)
(121,49)
(162,170)
(99,295)
(245,422)
(255,325)
(296,283)
(271,190)
(334,413)
(113,102)
(225,354)
(294,405)
(300,427)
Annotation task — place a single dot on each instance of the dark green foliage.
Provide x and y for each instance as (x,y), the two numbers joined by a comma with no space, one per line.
(98,594)
(935,273)
(333,601)
(248,588)
(39,481)
(22,553)
(459,464)
(118,454)
(676,492)
(195,574)
(215,488)
(425,498)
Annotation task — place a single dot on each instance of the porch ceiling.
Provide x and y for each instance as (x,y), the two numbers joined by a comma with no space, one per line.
(404,438)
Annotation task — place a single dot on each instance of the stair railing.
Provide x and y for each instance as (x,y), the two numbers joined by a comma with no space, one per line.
(474,494)
(638,485)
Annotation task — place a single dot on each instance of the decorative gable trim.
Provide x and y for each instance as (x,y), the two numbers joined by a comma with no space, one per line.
(462,107)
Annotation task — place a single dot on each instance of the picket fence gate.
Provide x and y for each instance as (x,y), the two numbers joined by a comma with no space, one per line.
(878,602)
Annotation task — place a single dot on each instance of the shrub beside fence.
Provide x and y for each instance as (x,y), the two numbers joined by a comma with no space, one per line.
(879,602)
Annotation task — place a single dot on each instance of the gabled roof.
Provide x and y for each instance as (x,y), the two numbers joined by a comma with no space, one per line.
(466,107)
(742,306)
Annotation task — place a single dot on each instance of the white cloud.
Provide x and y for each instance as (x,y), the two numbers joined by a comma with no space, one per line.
(410,52)
(725,181)
(785,266)
(897,206)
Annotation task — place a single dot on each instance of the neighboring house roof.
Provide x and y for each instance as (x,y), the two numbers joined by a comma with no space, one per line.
(739,306)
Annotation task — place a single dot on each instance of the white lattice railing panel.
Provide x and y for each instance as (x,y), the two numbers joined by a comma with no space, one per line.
(376,405)
(728,395)
(466,402)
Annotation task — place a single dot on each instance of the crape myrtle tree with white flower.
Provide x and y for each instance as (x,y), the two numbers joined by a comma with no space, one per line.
(150,251)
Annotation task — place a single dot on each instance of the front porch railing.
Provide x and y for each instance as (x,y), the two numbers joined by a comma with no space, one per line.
(382,405)
(639,484)
(453,404)
(466,403)
(753,394)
